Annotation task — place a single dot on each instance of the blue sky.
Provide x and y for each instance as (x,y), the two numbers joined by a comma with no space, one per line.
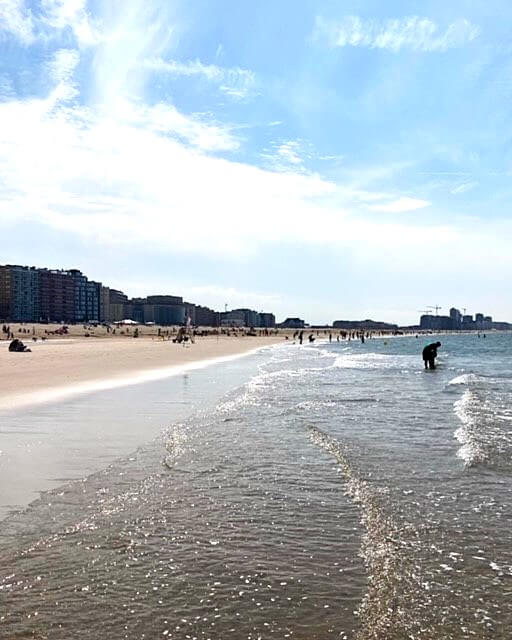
(323,159)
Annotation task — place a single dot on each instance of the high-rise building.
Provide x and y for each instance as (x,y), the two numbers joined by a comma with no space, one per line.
(19,293)
(456,317)
(57,290)
(30,294)
(80,284)
(118,308)
(5,292)
(267,320)
(435,323)
(234,318)
(92,301)
(205,317)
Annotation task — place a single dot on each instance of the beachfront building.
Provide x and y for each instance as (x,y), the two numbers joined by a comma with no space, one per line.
(104,303)
(57,291)
(468,322)
(247,318)
(80,284)
(92,301)
(435,323)
(250,318)
(164,310)
(116,306)
(267,320)
(206,317)
(19,293)
(293,323)
(456,318)
(5,292)
(161,310)
(30,294)
(234,318)
(364,325)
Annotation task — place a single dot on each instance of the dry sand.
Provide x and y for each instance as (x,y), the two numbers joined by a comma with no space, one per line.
(63,366)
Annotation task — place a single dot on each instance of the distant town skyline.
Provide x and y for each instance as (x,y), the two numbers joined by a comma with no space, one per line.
(328,159)
(41,294)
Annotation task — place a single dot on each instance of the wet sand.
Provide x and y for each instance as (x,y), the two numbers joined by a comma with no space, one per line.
(60,367)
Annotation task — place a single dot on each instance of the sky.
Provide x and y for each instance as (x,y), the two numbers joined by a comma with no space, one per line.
(322,159)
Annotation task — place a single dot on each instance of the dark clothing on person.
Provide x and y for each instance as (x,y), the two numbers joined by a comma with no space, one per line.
(430,354)
(18,346)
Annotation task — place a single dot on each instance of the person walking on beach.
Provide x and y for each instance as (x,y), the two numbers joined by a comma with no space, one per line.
(430,354)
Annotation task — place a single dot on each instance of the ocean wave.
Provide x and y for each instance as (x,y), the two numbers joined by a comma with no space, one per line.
(174,440)
(374,361)
(463,380)
(396,594)
(484,432)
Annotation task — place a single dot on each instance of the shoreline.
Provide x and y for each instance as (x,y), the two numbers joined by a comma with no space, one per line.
(59,369)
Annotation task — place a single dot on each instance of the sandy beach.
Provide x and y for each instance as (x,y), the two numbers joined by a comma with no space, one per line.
(62,366)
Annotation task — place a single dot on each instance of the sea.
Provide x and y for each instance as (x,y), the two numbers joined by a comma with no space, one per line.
(329,490)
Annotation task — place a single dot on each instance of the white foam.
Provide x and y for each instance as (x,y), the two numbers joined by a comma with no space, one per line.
(372,361)
(464,379)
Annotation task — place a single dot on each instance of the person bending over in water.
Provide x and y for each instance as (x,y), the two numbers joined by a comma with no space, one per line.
(430,354)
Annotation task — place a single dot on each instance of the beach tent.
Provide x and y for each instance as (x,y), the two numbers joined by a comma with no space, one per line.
(126,321)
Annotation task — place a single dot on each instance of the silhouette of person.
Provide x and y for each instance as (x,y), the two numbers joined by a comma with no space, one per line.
(430,354)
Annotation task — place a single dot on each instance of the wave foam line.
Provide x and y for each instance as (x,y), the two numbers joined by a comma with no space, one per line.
(396,598)
(472,451)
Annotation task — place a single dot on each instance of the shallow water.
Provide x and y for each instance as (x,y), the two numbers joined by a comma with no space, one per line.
(341,491)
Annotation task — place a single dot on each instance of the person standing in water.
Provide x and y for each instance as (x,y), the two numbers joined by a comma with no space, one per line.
(430,354)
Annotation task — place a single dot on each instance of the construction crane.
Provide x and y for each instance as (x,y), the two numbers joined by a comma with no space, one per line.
(436,307)
(424,311)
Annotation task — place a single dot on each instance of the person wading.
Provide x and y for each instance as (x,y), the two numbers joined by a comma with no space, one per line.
(430,354)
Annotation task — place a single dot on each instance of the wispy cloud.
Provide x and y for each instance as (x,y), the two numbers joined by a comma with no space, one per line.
(16,20)
(416,33)
(462,188)
(53,19)
(236,82)
(287,155)
(401,205)
(73,15)
(289,151)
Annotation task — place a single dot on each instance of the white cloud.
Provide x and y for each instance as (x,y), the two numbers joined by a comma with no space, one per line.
(131,176)
(127,173)
(419,34)
(236,82)
(401,205)
(72,14)
(286,155)
(16,19)
(61,70)
(462,188)
(289,151)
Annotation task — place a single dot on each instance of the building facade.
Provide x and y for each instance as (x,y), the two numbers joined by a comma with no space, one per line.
(267,320)
(19,293)
(31,294)
(293,323)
